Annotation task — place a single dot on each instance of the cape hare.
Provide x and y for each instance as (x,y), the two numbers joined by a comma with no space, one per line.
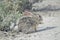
(28,22)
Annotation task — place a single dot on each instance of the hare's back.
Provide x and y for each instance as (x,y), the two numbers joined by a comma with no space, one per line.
(27,21)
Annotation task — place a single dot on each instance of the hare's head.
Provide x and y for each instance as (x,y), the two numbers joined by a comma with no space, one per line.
(38,18)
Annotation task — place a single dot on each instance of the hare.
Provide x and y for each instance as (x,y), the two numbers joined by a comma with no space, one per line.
(28,22)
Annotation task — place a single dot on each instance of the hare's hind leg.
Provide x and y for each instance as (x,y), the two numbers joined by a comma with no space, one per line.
(35,28)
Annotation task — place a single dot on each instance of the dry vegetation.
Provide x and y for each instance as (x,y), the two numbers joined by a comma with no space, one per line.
(10,11)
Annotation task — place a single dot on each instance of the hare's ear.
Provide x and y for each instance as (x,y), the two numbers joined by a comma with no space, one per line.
(40,16)
(40,19)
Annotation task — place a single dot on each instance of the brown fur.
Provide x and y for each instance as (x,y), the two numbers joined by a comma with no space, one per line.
(29,22)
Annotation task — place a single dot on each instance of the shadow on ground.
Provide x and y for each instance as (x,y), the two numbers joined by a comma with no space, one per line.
(47,28)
